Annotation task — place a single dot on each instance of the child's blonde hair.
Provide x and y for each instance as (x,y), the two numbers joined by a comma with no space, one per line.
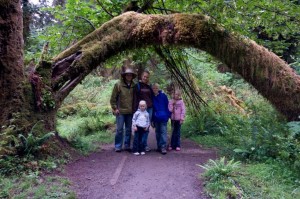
(155,85)
(143,102)
(178,92)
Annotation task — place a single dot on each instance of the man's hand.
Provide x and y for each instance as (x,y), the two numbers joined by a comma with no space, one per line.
(135,128)
(116,112)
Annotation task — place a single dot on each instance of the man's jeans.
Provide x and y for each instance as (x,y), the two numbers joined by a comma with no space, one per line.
(175,140)
(161,134)
(145,135)
(121,120)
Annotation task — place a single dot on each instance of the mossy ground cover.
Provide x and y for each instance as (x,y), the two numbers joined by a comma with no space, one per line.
(32,185)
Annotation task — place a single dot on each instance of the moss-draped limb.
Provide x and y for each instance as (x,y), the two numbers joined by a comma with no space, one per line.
(270,75)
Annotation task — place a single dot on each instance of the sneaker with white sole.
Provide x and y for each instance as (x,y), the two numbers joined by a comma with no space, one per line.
(136,153)
(143,153)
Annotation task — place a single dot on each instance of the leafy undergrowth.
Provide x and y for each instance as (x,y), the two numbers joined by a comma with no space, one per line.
(85,119)
(244,126)
(32,185)
(268,180)
(231,179)
(28,176)
(84,122)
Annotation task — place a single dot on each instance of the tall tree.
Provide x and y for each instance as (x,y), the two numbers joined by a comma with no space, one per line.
(11,60)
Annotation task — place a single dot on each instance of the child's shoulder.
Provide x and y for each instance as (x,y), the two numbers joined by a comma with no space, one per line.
(137,112)
(181,101)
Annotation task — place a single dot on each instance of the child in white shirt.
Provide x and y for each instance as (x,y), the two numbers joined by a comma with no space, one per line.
(140,124)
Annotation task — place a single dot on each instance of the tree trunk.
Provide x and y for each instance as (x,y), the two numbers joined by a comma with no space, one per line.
(19,111)
(11,60)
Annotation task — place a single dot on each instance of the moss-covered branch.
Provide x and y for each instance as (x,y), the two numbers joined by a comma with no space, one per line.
(270,75)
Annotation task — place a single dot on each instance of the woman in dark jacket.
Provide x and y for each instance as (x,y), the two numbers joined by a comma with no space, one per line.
(143,91)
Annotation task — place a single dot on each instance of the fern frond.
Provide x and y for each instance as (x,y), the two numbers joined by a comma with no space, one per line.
(42,140)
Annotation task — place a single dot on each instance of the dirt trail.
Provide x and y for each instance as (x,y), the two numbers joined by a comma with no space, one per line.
(109,175)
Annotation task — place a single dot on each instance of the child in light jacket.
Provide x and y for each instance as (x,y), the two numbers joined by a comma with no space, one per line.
(140,124)
(177,108)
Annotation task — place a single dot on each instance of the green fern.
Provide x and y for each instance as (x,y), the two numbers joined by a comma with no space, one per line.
(219,169)
(32,144)
(219,176)
(294,128)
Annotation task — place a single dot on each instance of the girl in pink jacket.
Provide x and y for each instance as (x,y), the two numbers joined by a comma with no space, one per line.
(177,108)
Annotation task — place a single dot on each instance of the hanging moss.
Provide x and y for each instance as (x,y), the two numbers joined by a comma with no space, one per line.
(190,28)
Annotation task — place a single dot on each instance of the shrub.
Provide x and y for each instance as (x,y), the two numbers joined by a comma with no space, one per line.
(219,176)
(32,144)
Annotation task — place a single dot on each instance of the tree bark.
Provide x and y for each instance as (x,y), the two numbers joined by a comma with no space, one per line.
(11,59)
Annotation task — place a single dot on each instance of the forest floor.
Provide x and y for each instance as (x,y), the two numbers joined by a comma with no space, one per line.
(106,174)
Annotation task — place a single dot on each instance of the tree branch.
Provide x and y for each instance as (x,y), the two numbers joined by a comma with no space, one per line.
(89,22)
(147,5)
(105,10)
(165,9)
(279,13)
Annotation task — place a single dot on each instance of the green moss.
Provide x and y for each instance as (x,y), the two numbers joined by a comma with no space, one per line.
(45,71)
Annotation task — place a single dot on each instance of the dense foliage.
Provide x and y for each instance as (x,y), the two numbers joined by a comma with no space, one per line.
(85,119)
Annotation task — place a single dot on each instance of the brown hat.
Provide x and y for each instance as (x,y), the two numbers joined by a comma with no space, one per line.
(128,71)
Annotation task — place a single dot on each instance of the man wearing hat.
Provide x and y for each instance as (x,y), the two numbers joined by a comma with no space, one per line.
(121,102)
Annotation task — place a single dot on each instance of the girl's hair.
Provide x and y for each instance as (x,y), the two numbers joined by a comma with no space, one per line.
(143,102)
(177,91)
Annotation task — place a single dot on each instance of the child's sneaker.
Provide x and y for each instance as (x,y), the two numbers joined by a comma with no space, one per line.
(147,149)
(143,153)
(170,148)
(163,151)
(136,153)
(178,149)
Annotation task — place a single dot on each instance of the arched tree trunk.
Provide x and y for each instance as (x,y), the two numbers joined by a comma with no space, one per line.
(270,75)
